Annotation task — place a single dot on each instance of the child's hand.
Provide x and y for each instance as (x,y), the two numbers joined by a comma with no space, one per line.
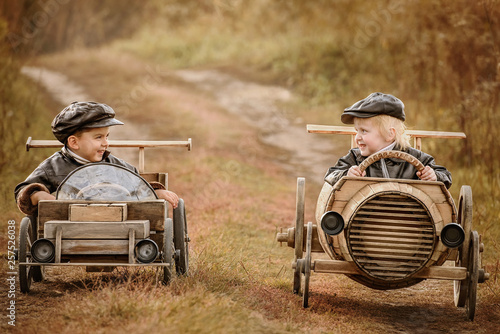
(41,195)
(355,171)
(427,174)
(169,196)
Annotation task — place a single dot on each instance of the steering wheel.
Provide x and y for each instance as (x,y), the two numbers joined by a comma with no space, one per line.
(391,154)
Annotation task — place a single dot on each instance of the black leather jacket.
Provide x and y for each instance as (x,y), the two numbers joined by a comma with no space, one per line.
(397,168)
(49,175)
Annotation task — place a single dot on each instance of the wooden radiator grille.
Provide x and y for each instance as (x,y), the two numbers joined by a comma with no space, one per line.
(391,237)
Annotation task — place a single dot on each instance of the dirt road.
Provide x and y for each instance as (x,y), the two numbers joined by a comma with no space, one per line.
(239,129)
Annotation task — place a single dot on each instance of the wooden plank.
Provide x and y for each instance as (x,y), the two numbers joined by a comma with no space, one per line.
(389,245)
(391,251)
(371,227)
(391,221)
(30,143)
(96,230)
(131,244)
(154,211)
(335,267)
(391,206)
(85,264)
(444,273)
(348,130)
(391,263)
(58,238)
(401,240)
(97,247)
(114,212)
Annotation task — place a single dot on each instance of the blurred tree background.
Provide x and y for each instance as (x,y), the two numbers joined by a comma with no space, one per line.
(442,58)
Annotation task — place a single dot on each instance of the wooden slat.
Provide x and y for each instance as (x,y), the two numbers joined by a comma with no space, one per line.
(392,263)
(154,211)
(389,256)
(85,264)
(97,247)
(348,130)
(390,214)
(389,251)
(399,203)
(392,207)
(131,244)
(390,228)
(444,273)
(391,221)
(402,240)
(417,234)
(335,266)
(96,230)
(114,212)
(30,143)
(390,245)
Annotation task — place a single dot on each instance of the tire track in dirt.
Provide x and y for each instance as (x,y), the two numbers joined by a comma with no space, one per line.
(265,108)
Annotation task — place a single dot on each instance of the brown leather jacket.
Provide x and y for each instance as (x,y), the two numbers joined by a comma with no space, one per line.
(397,168)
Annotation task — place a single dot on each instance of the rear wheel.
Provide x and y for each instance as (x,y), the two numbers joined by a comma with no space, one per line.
(473,277)
(307,266)
(299,232)
(465,220)
(25,241)
(181,239)
(168,250)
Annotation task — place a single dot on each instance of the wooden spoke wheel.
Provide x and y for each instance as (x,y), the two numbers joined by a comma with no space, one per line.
(25,242)
(307,267)
(299,232)
(168,250)
(473,270)
(465,220)
(181,239)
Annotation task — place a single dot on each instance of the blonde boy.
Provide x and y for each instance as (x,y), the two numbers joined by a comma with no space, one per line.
(83,128)
(379,123)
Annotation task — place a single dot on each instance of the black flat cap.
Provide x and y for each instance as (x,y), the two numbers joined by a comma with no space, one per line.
(373,105)
(82,115)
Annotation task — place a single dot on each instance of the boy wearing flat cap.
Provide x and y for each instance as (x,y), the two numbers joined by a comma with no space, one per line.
(379,123)
(83,128)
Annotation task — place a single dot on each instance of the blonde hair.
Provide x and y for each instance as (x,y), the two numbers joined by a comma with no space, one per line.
(386,122)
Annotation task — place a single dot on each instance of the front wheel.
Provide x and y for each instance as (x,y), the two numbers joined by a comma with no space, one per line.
(168,250)
(25,273)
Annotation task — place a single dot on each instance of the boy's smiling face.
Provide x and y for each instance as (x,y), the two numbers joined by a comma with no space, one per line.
(368,137)
(90,144)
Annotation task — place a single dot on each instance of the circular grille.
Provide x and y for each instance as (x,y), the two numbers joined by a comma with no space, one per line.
(391,236)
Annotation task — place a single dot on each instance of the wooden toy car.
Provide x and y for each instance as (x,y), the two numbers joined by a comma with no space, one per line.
(388,233)
(104,216)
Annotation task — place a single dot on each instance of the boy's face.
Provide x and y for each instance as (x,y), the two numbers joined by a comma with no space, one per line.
(368,137)
(91,144)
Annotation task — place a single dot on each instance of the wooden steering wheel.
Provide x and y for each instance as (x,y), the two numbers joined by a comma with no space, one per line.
(391,154)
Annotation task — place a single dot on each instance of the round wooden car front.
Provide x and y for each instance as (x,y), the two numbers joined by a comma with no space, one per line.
(391,227)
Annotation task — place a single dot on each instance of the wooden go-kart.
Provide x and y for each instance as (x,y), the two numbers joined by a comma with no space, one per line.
(105,216)
(388,233)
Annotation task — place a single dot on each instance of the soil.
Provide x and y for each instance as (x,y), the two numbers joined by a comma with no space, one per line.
(337,304)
